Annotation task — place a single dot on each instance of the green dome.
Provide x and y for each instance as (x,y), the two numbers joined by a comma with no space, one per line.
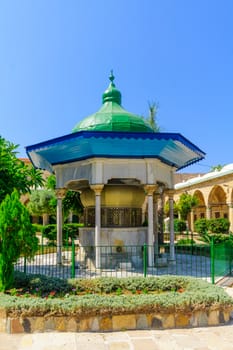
(112,117)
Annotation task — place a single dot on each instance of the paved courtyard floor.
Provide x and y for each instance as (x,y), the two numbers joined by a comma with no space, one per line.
(211,338)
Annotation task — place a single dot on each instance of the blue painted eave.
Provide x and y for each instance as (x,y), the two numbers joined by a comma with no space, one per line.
(171,148)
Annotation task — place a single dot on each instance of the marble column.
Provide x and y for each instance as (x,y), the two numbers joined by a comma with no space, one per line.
(97,189)
(170,194)
(192,220)
(150,236)
(208,212)
(156,226)
(60,194)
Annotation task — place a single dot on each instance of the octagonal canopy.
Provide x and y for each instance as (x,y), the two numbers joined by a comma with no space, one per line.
(171,148)
(112,132)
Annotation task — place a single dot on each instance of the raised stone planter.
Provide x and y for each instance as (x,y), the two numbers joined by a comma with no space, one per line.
(210,317)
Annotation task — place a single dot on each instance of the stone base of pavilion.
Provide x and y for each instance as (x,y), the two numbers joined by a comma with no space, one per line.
(119,248)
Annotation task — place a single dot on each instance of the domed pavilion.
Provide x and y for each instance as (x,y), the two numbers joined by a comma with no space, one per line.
(120,166)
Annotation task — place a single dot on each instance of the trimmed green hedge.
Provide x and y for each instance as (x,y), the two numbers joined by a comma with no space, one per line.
(101,296)
(220,225)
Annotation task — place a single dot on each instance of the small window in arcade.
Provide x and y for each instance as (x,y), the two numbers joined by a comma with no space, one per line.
(217,215)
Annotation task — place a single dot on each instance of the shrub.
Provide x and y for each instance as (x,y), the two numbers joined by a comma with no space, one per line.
(218,238)
(185,241)
(70,231)
(111,284)
(163,294)
(50,232)
(179,225)
(201,226)
(220,225)
(41,283)
(38,227)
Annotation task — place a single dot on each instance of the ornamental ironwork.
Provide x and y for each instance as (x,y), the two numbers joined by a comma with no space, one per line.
(114,217)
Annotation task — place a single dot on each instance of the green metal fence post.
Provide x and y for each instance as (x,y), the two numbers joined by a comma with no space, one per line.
(25,264)
(212,255)
(42,243)
(145,259)
(192,242)
(73,259)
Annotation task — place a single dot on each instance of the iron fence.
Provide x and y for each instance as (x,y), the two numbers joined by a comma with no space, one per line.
(201,261)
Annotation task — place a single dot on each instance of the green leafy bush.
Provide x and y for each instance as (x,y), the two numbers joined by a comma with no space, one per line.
(218,238)
(163,294)
(201,226)
(70,231)
(111,284)
(42,284)
(220,225)
(38,227)
(50,232)
(179,225)
(185,241)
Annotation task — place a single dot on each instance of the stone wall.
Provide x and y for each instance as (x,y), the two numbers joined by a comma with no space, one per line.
(210,317)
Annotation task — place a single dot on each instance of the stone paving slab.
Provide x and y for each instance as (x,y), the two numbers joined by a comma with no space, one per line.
(206,338)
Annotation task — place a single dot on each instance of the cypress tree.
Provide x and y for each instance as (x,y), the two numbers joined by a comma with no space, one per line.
(17,237)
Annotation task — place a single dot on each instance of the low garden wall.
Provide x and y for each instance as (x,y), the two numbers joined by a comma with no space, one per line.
(210,317)
(42,304)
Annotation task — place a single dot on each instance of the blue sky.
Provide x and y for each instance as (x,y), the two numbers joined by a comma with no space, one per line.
(56,57)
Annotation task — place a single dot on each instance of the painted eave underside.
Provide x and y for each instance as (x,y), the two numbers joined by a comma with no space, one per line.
(171,148)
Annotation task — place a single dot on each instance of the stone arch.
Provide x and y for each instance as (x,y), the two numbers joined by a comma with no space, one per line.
(199,212)
(217,203)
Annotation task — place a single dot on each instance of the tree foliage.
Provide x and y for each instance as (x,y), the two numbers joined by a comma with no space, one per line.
(167,208)
(217,167)
(71,202)
(185,204)
(153,110)
(14,173)
(219,225)
(42,202)
(17,237)
(50,182)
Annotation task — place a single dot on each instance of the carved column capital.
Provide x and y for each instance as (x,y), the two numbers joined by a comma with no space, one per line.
(60,192)
(97,189)
(150,189)
(170,193)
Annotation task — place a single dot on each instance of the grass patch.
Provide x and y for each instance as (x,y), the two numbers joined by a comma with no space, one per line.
(37,295)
